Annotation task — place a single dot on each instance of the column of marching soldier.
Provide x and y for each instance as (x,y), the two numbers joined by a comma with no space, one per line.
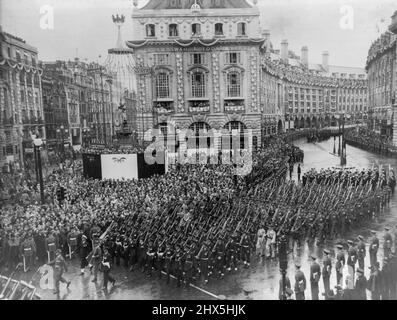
(204,235)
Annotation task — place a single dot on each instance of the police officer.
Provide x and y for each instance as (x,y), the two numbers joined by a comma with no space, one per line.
(361,251)
(203,257)
(373,248)
(300,283)
(59,266)
(188,266)
(387,242)
(28,251)
(315,273)
(361,285)
(168,261)
(374,282)
(72,240)
(245,250)
(326,272)
(351,258)
(340,264)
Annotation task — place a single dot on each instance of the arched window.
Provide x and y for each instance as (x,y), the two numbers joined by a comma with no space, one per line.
(150,30)
(196,29)
(234,84)
(241,29)
(219,29)
(198,84)
(230,127)
(173,30)
(162,85)
(197,128)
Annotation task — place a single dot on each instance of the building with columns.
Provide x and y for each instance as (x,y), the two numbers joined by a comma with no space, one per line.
(381,67)
(21,106)
(310,95)
(198,65)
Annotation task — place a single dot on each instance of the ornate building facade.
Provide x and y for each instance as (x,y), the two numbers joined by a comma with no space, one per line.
(310,95)
(382,77)
(21,106)
(198,65)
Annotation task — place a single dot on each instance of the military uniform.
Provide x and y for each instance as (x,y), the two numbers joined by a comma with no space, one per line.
(59,265)
(300,284)
(51,247)
(96,258)
(106,267)
(373,248)
(361,252)
(374,282)
(361,285)
(351,259)
(326,272)
(315,274)
(245,250)
(84,251)
(28,251)
(387,243)
(340,263)
(188,266)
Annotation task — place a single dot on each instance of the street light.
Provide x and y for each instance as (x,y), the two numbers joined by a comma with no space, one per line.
(37,143)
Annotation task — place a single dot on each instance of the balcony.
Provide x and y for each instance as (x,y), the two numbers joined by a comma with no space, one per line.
(199,107)
(234,107)
(164,107)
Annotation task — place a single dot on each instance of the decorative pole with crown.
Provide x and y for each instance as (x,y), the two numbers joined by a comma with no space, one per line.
(119,21)
(195,7)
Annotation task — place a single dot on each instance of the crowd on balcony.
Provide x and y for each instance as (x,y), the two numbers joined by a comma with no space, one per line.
(383,43)
(307,77)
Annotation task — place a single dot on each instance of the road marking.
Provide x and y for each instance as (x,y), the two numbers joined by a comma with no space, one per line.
(195,287)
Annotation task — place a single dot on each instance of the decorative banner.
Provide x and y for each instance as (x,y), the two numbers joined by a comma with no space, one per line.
(119,166)
(146,170)
(92,166)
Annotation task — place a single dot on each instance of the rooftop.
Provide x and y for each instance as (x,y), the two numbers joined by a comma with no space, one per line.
(187,4)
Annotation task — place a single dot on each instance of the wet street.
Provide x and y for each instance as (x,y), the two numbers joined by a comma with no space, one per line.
(258,282)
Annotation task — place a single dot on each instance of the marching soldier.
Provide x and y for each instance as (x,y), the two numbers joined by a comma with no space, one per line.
(387,242)
(141,255)
(150,255)
(220,257)
(50,246)
(59,266)
(373,248)
(96,258)
(178,265)
(326,272)
(245,249)
(300,283)
(84,251)
(315,273)
(361,285)
(351,258)
(340,264)
(160,259)
(28,252)
(231,253)
(374,282)
(106,267)
(203,257)
(72,241)
(168,261)
(188,266)
(361,252)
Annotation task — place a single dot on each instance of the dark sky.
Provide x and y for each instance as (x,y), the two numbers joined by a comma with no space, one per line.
(85,28)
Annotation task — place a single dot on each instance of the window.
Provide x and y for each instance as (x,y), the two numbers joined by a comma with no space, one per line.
(18,56)
(9,52)
(241,29)
(173,30)
(196,29)
(233,84)
(150,30)
(22,96)
(198,84)
(233,57)
(218,29)
(33,61)
(161,59)
(197,58)
(162,85)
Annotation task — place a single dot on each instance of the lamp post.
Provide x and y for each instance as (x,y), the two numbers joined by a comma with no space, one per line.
(37,143)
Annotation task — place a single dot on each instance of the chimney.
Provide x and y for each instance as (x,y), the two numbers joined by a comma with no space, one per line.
(284,51)
(305,56)
(325,60)
(266,34)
